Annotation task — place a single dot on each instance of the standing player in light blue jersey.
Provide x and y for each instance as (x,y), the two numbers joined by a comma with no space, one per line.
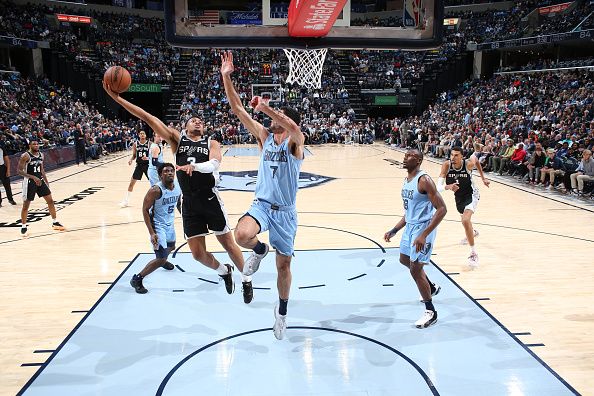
(424,209)
(273,209)
(155,159)
(158,210)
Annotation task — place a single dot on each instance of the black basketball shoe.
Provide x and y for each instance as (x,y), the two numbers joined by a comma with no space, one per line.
(136,283)
(168,266)
(248,292)
(228,278)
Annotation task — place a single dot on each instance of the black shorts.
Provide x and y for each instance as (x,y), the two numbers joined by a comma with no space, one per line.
(139,170)
(467,202)
(30,189)
(204,211)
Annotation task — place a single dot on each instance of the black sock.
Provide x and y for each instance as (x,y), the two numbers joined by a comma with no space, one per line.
(260,248)
(431,284)
(138,276)
(282,306)
(429,305)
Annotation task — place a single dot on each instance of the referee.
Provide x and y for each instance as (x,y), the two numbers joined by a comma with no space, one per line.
(5,175)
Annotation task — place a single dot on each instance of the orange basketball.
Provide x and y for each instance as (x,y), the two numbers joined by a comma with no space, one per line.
(117,78)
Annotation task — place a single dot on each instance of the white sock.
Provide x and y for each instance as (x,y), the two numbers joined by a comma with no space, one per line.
(55,220)
(127,197)
(472,250)
(222,270)
(24,225)
(245,278)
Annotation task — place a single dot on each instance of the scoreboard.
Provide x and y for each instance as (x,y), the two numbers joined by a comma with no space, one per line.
(266,70)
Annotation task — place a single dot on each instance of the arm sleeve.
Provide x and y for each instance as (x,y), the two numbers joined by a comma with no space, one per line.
(441,184)
(156,163)
(208,166)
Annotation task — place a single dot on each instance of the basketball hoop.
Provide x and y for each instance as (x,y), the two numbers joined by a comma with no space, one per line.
(305,66)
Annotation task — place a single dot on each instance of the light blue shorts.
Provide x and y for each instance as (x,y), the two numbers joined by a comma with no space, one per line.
(165,234)
(411,232)
(281,224)
(153,176)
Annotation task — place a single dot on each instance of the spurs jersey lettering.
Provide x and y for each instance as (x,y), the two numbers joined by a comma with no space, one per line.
(464,179)
(34,165)
(278,173)
(142,150)
(418,208)
(194,152)
(163,210)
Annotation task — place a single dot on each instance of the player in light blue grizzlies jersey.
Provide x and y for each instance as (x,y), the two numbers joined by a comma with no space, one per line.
(158,210)
(424,209)
(273,209)
(155,159)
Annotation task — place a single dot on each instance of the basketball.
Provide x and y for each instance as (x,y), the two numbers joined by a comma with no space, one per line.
(117,78)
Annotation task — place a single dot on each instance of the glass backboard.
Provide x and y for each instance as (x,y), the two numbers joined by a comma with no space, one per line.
(394,24)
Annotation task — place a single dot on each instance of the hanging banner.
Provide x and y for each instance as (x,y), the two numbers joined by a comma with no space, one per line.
(244,18)
(74,18)
(554,8)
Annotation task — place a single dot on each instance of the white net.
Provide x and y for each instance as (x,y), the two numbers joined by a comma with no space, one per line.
(305,66)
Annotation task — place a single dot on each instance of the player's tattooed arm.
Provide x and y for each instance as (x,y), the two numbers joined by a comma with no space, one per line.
(22,168)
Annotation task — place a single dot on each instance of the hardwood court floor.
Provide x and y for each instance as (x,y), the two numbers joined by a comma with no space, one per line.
(535,252)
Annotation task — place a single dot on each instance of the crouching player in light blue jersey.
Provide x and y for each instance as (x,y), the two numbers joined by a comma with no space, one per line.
(424,209)
(273,209)
(158,210)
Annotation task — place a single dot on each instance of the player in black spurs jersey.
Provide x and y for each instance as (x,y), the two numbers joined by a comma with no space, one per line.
(140,153)
(456,175)
(35,182)
(197,160)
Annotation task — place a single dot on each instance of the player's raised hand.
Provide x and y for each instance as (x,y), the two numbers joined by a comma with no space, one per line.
(258,102)
(112,94)
(227,63)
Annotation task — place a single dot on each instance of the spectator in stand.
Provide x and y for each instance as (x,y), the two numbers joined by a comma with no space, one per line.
(553,166)
(585,173)
(535,164)
(516,159)
(497,164)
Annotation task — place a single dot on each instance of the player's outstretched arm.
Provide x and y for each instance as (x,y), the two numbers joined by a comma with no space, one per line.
(475,163)
(426,186)
(253,126)
(170,135)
